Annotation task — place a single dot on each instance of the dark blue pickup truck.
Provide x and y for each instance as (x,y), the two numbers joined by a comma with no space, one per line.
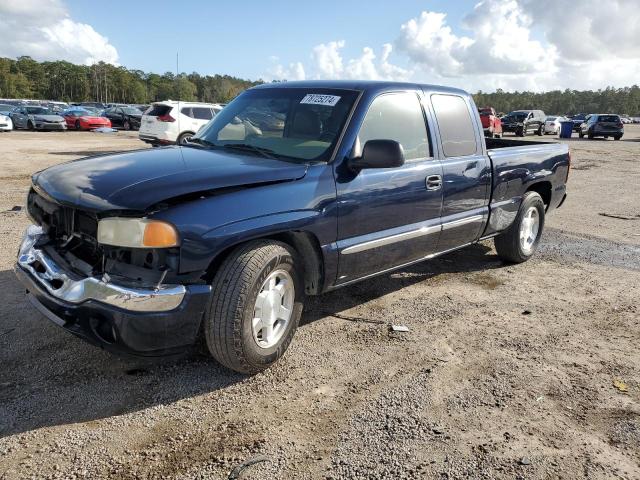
(292,190)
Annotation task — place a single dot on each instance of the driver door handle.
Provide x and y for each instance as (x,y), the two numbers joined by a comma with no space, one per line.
(434,182)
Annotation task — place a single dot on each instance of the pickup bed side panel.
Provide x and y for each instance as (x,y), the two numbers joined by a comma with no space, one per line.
(516,170)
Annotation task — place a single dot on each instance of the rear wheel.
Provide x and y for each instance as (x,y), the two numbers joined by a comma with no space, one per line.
(78,127)
(256,303)
(617,137)
(184,138)
(520,241)
(541,131)
(126,125)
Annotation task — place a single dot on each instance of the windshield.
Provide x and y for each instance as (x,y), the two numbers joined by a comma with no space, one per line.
(292,123)
(609,118)
(517,116)
(37,110)
(551,119)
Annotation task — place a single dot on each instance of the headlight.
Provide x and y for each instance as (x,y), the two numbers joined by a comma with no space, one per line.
(137,233)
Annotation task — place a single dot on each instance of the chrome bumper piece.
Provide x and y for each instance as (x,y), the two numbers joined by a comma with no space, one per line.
(52,278)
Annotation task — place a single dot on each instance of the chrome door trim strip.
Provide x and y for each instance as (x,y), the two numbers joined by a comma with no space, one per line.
(398,237)
(462,221)
(397,267)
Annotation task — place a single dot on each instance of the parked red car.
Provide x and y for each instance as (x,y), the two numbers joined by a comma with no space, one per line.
(491,124)
(84,120)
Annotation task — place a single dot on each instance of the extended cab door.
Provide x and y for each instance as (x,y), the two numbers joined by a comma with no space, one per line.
(466,170)
(389,216)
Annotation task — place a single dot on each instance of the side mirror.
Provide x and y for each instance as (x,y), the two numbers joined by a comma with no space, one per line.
(379,154)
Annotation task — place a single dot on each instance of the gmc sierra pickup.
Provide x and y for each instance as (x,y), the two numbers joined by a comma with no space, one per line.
(145,252)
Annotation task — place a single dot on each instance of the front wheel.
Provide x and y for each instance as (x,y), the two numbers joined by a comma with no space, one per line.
(541,131)
(78,126)
(520,241)
(256,303)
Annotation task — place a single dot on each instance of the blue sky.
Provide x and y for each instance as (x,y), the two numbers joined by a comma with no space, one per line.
(535,45)
(239,37)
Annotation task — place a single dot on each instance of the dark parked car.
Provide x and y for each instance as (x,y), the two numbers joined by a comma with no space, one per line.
(37,118)
(127,118)
(578,120)
(224,237)
(6,109)
(523,122)
(602,125)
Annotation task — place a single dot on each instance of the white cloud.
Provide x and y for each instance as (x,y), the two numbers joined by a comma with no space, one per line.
(501,50)
(44,30)
(327,63)
(508,44)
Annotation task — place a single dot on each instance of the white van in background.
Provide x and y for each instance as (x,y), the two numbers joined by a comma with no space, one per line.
(173,122)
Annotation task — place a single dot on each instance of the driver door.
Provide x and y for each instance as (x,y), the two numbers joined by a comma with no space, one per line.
(388,217)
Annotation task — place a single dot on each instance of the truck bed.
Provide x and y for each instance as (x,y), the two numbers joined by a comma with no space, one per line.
(522,165)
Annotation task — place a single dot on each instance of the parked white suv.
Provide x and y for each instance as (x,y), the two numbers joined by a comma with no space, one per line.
(172,122)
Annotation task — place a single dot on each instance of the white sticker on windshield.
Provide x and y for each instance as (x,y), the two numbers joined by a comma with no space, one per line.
(317,99)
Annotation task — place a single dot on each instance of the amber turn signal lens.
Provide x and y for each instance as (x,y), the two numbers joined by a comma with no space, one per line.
(159,235)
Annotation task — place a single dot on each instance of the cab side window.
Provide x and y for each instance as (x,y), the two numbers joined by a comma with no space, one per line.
(457,131)
(399,117)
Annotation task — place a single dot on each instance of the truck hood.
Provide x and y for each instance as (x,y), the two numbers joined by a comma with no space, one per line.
(141,179)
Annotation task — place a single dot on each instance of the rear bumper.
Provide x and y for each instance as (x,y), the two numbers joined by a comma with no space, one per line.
(123,320)
(155,140)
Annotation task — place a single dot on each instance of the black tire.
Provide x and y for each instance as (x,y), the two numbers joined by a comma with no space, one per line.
(581,135)
(235,288)
(521,132)
(78,127)
(183,138)
(541,131)
(508,244)
(590,135)
(617,137)
(126,125)
(30,125)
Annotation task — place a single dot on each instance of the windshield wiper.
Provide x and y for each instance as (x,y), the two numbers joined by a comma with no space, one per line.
(246,147)
(199,141)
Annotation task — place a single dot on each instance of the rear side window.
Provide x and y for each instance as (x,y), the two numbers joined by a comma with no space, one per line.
(158,110)
(399,117)
(202,113)
(456,127)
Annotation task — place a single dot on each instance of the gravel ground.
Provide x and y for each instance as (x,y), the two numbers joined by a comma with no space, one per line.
(506,372)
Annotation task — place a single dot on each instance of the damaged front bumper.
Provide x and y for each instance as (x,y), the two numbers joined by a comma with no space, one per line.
(138,321)
(78,290)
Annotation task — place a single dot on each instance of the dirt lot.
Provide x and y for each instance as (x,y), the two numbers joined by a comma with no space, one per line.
(506,372)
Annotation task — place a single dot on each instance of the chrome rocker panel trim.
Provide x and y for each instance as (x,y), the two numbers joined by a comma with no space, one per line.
(164,298)
(418,232)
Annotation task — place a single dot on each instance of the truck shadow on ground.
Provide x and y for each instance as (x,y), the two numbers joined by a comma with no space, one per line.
(51,378)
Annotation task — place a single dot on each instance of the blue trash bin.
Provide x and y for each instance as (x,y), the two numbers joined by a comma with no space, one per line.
(566,129)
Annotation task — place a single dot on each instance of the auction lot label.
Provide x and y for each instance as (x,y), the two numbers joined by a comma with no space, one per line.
(317,99)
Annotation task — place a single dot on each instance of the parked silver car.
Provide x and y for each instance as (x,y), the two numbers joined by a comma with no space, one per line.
(37,118)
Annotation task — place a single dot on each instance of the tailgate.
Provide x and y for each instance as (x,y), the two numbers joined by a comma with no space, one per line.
(149,124)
